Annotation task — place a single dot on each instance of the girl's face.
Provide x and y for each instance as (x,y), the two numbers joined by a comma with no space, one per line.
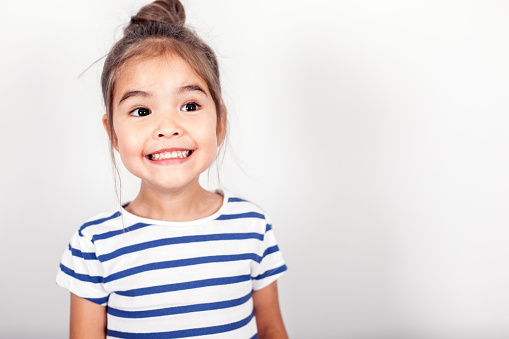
(165,122)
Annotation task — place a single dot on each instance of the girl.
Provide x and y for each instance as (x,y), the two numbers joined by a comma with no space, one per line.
(177,261)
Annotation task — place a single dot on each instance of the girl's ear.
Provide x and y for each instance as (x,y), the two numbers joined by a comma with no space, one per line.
(113,138)
(221,127)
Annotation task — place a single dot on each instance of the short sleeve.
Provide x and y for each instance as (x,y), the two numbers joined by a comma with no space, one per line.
(81,272)
(271,264)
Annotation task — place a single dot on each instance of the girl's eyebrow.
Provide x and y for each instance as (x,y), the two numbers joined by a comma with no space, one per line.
(190,88)
(129,94)
(187,88)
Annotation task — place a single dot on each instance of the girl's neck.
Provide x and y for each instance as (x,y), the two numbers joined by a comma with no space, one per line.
(186,204)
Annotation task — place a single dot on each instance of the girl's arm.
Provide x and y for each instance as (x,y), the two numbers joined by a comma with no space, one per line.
(88,320)
(267,313)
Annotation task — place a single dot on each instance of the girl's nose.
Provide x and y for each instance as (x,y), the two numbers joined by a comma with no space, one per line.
(161,135)
(167,127)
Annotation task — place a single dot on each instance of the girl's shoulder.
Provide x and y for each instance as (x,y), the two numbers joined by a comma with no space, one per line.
(240,208)
(238,204)
(101,223)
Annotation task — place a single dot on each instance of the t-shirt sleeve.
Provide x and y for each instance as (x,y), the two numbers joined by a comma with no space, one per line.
(81,272)
(271,265)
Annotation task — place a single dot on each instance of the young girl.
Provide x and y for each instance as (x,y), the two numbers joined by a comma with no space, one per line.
(178,261)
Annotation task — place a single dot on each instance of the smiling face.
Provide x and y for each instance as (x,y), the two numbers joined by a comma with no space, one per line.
(165,122)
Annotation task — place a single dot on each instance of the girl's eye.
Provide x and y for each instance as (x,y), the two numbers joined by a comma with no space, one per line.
(140,112)
(190,107)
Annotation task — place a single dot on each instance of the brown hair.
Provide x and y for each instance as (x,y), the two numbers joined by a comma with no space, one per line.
(158,29)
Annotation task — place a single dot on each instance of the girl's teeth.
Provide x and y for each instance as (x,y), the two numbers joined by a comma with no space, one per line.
(171,155)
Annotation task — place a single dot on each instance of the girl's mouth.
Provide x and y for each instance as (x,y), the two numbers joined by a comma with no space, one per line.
(170,155)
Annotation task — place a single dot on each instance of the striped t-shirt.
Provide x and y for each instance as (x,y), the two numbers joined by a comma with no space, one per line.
(162,279)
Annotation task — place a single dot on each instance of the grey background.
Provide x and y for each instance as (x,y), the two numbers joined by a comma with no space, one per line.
(375,134)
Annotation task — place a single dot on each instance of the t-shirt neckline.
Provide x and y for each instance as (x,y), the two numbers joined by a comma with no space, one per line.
(137,219)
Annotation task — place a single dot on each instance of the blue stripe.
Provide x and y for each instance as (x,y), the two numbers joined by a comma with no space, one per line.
(179,309)
(268,228)
(99,301)
(233,199)
(82,277)
(180,263)
(111,234)
(270,250)
(183,333)
(98,221)
(254,337)
(84,255)
(168,264)
(269,273)
(184,286)
(240,216)
(179,240)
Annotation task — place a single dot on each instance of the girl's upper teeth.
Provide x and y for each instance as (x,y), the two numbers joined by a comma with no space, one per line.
(171,155)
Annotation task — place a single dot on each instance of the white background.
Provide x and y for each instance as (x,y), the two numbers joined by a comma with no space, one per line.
(375,134)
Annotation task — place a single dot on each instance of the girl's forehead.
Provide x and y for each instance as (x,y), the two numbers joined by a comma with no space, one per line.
(154,71)
(146,68)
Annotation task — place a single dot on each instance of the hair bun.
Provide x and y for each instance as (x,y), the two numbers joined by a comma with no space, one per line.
(170,12)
